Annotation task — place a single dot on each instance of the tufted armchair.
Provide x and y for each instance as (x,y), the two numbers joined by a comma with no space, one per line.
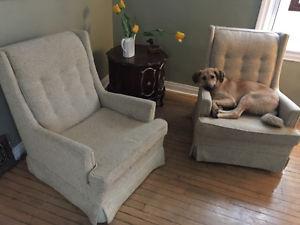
(255,56)
(92,146)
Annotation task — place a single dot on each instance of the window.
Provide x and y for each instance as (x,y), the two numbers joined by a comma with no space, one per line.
(282,16)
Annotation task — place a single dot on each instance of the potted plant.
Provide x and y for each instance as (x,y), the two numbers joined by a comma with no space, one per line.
(131,29)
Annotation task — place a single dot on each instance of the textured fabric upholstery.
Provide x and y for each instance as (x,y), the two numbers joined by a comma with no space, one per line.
(60,83)
(92,146)
(203,105)
(248,143)
(117,132)
(248,124)
(136,107)
(255,56)
(288,111)
(247,54)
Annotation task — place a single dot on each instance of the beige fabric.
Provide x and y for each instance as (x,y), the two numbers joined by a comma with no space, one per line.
(96,178)
(203,105)
(60,83)
(249,124)
(133,107)
(248,54)
(136,108)
(256,56)
(117,132)
(288,111)
(247,142)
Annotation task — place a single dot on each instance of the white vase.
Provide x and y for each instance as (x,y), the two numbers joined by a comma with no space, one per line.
(128,46)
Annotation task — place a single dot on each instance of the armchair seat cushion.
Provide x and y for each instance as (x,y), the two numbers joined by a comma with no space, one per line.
(116,139)
(249,129)
(245,142)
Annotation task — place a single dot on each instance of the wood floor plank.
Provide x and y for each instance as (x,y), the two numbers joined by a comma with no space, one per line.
(4,220)
(131,219)
(145,216)
(118,222)
(185,210)
(162,213)
(20,216)
(255,201)
(44,205)
(37,185)
(183,192)
(282,190)
(231,210)
(44,197)
(34,211)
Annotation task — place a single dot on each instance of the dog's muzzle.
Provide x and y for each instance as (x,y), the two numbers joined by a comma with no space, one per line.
(208,88)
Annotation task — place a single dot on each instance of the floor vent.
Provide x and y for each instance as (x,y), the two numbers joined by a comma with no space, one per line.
(7,159)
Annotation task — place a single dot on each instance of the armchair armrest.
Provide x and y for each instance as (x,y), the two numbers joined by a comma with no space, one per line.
(203,105)
(137,108)
(69,159)
(288,110)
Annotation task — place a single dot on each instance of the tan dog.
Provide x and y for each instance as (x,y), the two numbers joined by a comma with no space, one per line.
(238,96)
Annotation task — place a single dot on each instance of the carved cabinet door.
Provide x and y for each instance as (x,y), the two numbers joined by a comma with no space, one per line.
(148,82)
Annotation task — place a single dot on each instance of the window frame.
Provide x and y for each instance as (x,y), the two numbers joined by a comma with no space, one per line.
(266,18)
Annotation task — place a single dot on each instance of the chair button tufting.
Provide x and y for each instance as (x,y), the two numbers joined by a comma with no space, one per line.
(263,58)
(227,56)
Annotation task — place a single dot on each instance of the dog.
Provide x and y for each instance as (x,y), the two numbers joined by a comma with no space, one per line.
(231,98)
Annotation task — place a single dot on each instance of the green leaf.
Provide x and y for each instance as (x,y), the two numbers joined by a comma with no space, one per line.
(148,34)
(128,24)
(126,16)
(126,29)
(160,31)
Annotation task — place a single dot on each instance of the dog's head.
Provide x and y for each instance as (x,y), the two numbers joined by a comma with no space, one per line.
(208,78)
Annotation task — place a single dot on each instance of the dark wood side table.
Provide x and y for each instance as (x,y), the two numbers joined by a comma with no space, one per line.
(141,76)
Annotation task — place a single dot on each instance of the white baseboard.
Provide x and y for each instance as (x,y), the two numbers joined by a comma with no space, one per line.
(181,88)
(18,151)
(105,81)
(170,86)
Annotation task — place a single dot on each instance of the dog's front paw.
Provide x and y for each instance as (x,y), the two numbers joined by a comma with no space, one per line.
(214,112)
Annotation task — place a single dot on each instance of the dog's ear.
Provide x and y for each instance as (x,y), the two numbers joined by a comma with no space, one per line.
(196,77)
(220,75)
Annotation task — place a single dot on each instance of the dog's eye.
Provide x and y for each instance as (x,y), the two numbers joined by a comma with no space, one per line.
(212,76)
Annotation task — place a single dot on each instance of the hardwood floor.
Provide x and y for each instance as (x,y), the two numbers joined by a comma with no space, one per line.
(182,192)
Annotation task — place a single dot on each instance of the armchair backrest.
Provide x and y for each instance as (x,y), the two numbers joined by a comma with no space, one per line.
(54,77)
(247,54)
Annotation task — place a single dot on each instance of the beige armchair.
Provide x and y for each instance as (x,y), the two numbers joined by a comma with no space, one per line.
(92,146)
(256,56)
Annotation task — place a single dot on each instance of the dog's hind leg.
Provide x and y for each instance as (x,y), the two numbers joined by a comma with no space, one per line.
(219,104)
(257,103)
(227,102)
(237,112)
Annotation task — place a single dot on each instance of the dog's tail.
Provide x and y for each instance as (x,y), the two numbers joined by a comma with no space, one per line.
(272,120)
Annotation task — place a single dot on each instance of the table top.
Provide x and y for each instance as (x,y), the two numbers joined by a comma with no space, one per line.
(142,56)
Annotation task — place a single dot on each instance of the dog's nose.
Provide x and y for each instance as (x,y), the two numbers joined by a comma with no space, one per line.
(208,88)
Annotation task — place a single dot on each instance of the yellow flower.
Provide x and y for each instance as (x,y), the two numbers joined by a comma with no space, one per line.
(135,29)
(122,4)
(180,36)
(116,9)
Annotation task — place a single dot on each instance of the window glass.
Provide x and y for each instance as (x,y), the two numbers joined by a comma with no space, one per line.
(288,21)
